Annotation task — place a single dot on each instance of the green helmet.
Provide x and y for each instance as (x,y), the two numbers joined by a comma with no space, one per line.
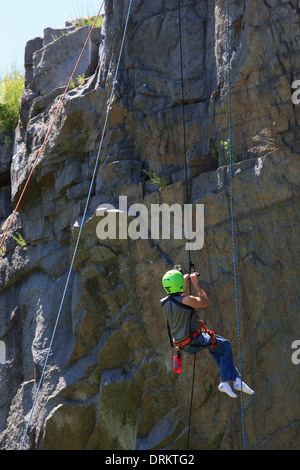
(173,282)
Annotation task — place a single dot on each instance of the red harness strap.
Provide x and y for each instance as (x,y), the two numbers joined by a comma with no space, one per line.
(185,342)
(182,344)
(211,334)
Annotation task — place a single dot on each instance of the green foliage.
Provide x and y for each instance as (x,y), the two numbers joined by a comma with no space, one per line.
(18,239)
(226,145)
(55,37)
(8,141)
(79,81)
(13,84)
(89,21)
(156,178)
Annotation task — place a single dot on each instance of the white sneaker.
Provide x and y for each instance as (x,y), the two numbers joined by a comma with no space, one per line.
(225,387)
(238,385)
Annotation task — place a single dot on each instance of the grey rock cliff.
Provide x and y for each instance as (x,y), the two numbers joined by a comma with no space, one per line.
(109,383)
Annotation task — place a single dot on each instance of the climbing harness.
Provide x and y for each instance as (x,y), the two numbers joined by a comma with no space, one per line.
(192,334)
(195,334)
(83,220)
(232,216)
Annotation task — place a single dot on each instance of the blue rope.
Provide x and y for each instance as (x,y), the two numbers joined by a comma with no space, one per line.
(232,223)
(81,228)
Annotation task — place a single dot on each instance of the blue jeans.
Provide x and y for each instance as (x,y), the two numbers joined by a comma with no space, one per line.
(222,354)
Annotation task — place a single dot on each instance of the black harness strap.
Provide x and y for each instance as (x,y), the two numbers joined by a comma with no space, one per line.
(170,335)
(180,304)
(187,307)
(168,325)
(172,299)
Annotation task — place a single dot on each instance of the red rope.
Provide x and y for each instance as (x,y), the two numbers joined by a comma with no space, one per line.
(50,127)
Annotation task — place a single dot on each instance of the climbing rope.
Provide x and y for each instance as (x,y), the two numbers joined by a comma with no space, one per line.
(231,204)
(49,129)
(183,113)
(187,198)
(232,217)
(82,223)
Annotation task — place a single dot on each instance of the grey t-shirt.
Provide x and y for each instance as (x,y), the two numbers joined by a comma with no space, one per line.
(179,318)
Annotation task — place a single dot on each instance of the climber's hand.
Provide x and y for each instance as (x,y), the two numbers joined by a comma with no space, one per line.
(194,278)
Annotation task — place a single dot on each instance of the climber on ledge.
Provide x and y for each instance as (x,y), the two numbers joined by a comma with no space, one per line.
(187,332)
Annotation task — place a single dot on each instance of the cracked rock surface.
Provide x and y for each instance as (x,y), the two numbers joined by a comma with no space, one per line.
(109,383)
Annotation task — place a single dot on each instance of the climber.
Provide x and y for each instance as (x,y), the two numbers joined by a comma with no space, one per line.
(188,333)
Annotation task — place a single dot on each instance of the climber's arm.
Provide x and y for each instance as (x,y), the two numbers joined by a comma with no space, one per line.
(199,301)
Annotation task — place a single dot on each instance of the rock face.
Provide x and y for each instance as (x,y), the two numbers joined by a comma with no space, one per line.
(109,382)
(5,161)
